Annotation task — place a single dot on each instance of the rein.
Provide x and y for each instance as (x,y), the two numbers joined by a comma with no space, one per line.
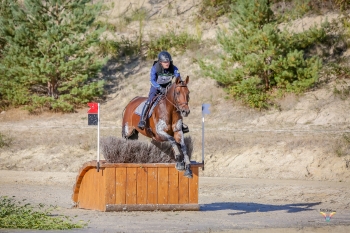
(176,105)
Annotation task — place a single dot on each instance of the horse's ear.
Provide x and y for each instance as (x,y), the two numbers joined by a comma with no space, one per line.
(178,80)
(187,79)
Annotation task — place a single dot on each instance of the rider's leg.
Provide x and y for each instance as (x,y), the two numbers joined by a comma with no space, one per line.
(142,122)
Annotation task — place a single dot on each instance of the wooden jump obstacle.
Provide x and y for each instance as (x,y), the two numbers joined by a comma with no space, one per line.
(135,187)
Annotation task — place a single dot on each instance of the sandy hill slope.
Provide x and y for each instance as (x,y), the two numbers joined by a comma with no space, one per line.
(305,139)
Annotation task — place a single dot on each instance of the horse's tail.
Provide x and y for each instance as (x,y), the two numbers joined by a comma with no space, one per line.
(134,134)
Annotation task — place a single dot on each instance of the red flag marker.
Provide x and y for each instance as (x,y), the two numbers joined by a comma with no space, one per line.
(93,108)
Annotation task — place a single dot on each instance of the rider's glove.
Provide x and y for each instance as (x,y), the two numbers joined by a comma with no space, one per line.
(161,90)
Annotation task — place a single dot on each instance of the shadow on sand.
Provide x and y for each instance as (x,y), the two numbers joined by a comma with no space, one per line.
(248,207)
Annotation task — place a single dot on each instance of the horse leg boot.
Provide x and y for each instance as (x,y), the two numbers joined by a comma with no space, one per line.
(180,165)
(142,122)
(188,172)
(185,128)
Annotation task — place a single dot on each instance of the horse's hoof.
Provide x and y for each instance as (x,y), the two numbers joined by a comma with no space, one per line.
(180,166)
(188,174)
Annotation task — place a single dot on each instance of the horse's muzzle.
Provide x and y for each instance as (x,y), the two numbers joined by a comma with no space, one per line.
(185,113)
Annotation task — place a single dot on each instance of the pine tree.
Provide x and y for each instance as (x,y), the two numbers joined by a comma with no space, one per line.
(49,60)
(259,57)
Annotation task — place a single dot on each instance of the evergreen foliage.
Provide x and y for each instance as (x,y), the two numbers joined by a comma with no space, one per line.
(212,9)
(49,42)
(260,58)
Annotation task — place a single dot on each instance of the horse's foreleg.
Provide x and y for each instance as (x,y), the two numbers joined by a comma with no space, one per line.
(179,137)
(161,131)
(161,128)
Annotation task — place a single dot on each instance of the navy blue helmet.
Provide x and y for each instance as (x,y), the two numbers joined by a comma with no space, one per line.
(164,56)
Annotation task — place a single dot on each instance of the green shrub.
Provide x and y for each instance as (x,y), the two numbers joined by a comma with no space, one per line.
(17,216)
(5,140)
(115,48)
(259,59)
(342,146)
(212,9)
(296,9)
(178,42)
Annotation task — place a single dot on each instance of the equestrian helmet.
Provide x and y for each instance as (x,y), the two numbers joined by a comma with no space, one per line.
(164,56)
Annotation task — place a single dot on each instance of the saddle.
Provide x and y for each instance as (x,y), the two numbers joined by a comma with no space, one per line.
(153,104)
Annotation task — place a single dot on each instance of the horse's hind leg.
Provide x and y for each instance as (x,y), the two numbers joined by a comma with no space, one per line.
(133,135)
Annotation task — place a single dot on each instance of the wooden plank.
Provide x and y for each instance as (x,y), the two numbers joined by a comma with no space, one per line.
(79,178)
(131,187)
(92,165)
(101,189)
(94,196)
(84,200)
(163,185)
(96,190)
(110,185)
(89,194)
(193,186)
(173,197)
(183,189)
(152,207)
(141,185)
(155,165)
(152,181)
(120,185)
(81,199)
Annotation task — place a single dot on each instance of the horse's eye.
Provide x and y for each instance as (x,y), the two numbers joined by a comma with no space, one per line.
(177,93)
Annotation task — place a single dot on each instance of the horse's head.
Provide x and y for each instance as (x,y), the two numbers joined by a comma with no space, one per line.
(182,96)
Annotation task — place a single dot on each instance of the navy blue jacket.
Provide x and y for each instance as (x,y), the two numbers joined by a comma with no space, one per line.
(154,75)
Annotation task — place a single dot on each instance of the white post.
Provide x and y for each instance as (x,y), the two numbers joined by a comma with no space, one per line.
(98,137)
(203,140)
(205,110)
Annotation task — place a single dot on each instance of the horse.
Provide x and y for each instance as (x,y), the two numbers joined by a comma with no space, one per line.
(165,123)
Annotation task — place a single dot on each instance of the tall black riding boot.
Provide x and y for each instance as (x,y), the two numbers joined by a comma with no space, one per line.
(142,122)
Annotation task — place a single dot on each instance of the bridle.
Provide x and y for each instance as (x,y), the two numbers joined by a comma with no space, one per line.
(177,104)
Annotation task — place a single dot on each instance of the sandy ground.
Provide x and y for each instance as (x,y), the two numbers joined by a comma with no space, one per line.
(265,171)
(226,205)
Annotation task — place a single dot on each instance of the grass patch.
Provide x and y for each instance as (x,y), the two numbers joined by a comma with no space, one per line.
(291,10)
(342,147)
(211,10)
(176,43)
(5,140)
(15,215)
(117,48)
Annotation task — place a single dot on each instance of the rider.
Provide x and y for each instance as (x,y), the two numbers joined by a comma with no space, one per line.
(162,73)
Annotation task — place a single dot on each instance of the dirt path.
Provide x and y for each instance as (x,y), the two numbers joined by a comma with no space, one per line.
(227,205)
